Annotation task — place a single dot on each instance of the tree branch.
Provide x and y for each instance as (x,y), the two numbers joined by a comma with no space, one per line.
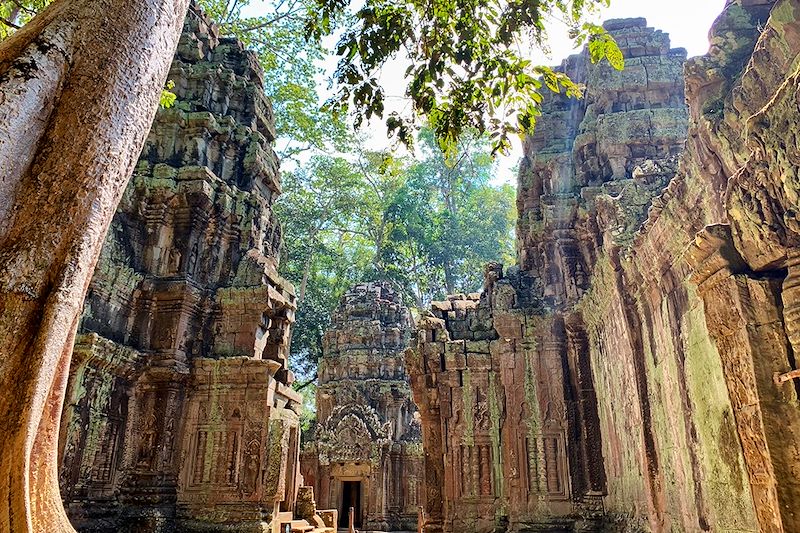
(24,8)
(9,23)
(230,13)
(291,11)
(307,383)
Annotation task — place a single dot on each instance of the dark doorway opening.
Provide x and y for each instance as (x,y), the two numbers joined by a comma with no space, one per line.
(351,497)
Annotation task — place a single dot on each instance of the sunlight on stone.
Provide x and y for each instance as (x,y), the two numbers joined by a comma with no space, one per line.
(345,338)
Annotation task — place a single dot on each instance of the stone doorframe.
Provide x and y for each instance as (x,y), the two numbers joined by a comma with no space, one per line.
(337,493)
(360,472)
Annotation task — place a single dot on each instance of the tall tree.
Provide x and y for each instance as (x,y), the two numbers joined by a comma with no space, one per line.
(470,220)
(452,220)
(426,226)
(317,207)
(79,87)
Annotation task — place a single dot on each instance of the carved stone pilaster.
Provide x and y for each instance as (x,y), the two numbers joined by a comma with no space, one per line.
(740,312)
(790,297)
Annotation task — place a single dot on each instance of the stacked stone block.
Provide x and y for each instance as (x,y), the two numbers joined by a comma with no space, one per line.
(642,372)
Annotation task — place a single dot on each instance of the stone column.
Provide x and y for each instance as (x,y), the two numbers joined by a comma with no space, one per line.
(791,301)
(427,399)
(434,473)
(744,319)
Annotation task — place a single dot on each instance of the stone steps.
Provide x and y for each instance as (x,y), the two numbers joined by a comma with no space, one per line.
(301,526)
(562,525)
(297,526)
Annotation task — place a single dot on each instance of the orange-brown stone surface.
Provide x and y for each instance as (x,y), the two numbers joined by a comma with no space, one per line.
(366,451)
(626,375)
(634,372)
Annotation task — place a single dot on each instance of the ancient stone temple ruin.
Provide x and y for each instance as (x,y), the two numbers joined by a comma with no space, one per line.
(634,370)
(367,451)
(179,411)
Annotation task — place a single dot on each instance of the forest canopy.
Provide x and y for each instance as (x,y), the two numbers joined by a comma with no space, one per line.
(427,225)
(468,62)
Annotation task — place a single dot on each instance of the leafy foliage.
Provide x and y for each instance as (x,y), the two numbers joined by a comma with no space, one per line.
(289,61)
(316,209)
(168,97)
(308,413)
(467,61)
(427,226)
(602,46)
(469,222)
(16,13)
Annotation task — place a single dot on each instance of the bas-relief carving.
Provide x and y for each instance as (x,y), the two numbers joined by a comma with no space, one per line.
(493,437)
(618,342)
(606,217)
(145,457)
(602,234)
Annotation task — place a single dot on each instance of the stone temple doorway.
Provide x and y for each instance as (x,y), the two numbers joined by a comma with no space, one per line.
(351,497)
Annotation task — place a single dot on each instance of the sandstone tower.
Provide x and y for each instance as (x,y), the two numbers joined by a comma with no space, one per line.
(179,411)
(634,370)
(367,451)
(521,442)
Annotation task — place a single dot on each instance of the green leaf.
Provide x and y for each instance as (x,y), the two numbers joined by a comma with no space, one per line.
(168,98)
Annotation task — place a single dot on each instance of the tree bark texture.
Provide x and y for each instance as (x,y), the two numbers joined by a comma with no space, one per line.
(79,87)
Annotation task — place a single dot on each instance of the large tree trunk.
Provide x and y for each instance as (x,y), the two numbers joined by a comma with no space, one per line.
(79,87)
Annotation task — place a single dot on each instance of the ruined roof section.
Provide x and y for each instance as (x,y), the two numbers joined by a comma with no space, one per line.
(371,301)
(222,118)
(370,327)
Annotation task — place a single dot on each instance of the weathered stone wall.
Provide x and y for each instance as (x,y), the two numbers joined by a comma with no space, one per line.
(505,427)
(179,411)
(633,354)
(700,331)
(368,430)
